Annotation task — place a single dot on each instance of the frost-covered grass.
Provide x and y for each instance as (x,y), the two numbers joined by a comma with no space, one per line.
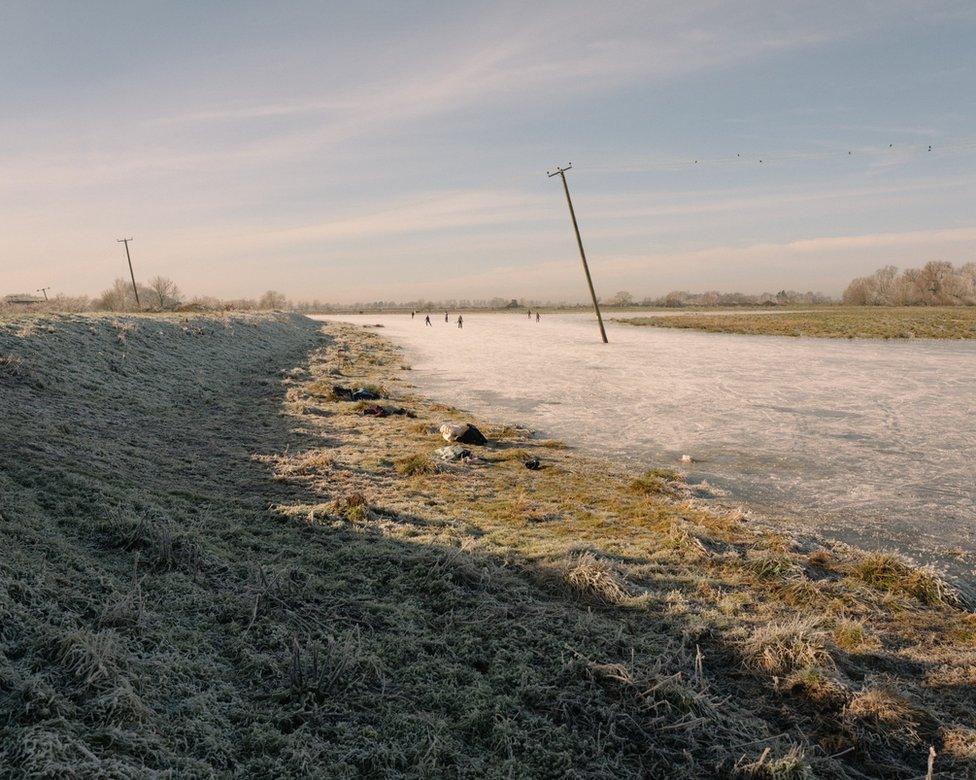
(208,567)
(834,322)
(414,464)
(893,574)
(868,438)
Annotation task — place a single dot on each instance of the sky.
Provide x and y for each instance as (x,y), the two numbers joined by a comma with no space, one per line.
(398,150)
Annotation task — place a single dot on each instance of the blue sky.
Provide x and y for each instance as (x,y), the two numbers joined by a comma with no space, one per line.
(365,151)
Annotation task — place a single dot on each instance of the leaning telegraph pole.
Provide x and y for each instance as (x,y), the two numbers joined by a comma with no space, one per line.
(561,172)
(44,290)
(131,274)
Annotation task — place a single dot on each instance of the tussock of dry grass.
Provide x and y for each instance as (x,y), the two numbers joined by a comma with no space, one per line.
(770,766)
(800,593)
(960,743)
(378,409)
(771,566)
(881,705)
(891,573)
(659,481)
(816,684)
(551,444)
(410,465)
(853,636)
(308,463)
(594,581)
(125,609)
(821,559)
(317,672)
(353,507)
(683,540)
(503,432)
(93,658)
(780,648)
(12,368)
(502,456)
(879,712)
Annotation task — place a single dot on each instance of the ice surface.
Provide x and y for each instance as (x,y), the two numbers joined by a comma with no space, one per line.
(874,441)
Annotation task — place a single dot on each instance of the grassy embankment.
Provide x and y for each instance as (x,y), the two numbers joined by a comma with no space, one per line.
(209,564)
(831,322)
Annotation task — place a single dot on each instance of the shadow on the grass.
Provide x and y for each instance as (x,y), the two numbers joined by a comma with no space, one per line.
(160,615)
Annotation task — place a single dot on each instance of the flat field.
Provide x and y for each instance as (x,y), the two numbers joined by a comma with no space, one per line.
(831,322)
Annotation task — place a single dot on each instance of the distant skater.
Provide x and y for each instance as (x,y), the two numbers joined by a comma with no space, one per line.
(427,320)
(460,322)
(537,317)
(530,314)
(445,317)
(412,314)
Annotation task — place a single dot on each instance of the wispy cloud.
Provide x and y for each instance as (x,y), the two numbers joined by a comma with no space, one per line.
(542,56)
(342,151)
(917,246)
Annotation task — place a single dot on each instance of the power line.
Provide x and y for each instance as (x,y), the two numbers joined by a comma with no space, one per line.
(561,173)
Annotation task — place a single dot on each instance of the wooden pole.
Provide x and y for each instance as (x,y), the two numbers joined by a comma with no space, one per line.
(561,172)
(131,274)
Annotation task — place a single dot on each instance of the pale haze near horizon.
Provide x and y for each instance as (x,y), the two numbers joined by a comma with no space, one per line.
(392,151)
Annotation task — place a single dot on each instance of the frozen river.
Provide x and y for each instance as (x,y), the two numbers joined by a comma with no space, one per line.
(873,442)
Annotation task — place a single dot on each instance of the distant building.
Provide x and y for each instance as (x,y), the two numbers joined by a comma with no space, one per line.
(513,304)
(22,299)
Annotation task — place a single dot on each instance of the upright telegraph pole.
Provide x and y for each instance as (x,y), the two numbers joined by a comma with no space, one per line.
(561,172)
(131,274)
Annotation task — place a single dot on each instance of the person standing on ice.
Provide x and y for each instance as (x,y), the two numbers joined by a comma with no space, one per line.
(460,322)
(445,317)
(427,320)
(537,317)
(412,314)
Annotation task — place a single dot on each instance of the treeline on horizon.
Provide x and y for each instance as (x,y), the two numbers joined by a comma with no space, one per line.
(937,283)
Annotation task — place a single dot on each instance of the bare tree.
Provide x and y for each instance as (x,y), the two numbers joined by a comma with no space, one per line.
(118,297)
(967,275)
(937,283)
(674,299)
(273,300)
(622,298)
(884,282)
(711,298)
(165,291)
(858,292)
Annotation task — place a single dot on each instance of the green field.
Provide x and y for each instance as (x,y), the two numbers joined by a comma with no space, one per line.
(834,322)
